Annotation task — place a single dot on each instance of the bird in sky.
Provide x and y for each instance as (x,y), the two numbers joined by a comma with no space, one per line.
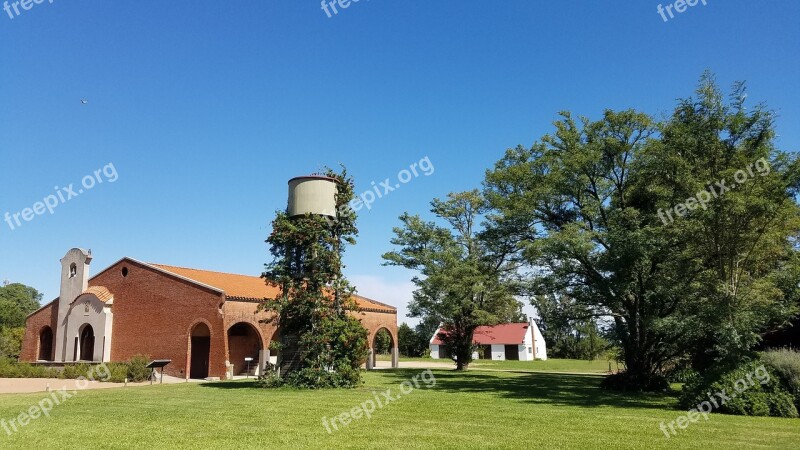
(84,101)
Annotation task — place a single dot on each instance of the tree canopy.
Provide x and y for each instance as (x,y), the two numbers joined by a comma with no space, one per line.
(588,208)
(16,302)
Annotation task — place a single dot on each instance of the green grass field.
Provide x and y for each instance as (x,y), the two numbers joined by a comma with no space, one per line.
(599,366)
(477,409)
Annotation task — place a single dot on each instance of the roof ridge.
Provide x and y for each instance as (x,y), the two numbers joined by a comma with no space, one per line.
(204,270)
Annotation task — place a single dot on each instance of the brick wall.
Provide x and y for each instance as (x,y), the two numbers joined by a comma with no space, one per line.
(47,316)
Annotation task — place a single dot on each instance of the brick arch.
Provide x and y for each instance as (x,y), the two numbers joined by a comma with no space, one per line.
(253,323)
(198,322)
(238,347)
(380,327)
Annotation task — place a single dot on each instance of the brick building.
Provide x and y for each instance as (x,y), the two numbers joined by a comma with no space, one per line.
(205,322)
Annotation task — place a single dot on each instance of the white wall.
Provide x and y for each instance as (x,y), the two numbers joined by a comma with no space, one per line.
(539,345)
(99,316)
(498,352)
(434,351)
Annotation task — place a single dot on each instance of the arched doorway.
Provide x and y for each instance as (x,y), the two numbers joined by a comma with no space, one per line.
(244,341)
(382,346)
(45,344)
(86,343)
(200,351)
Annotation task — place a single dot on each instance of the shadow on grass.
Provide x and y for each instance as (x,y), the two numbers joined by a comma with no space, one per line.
(540,388)
(236,384)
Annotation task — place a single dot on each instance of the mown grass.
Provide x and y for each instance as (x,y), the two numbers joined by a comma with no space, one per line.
(477,409)
(599,366)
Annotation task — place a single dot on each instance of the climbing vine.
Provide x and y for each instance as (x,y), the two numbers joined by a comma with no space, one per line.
(313,309)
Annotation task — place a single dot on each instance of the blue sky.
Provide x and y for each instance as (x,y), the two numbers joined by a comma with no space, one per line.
(206,109)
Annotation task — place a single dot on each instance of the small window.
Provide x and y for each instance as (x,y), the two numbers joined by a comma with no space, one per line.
(73,270)
(124,272)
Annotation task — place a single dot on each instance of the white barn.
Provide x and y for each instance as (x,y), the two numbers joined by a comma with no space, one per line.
(510,341)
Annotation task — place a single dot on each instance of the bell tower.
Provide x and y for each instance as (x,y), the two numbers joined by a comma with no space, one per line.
(74,282)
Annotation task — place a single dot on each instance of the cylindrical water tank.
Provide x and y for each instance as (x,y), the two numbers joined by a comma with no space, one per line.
(312,195)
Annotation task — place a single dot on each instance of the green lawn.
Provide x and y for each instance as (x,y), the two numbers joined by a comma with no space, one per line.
(477,409)
(599,366)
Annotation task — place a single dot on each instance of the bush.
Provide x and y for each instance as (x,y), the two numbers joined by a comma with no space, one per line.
(682,375)
(74,371)
(118,372)
(9,368)
(137,370)
(11,341)
(786,364)
(270,377)
(754,390)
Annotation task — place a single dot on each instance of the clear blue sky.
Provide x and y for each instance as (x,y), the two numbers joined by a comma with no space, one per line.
(207,109)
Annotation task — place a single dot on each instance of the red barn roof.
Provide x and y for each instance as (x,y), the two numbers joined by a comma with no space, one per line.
(507,333)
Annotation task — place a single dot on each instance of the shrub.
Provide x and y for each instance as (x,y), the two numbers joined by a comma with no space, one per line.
(753,388)
(270,378)
(137,370)
(9,368)
(118,372)
(682,375)
(74,371)
(786,364)
(11,341)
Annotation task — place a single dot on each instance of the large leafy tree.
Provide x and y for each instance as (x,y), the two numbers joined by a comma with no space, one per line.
(738,244)
(16,302)
(466,278)
(585,201)
(315,298)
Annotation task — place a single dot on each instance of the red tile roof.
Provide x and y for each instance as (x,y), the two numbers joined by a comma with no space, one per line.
(507,333)
(250,287)
(101,292)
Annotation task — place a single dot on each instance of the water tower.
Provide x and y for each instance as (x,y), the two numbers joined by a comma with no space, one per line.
(312,194)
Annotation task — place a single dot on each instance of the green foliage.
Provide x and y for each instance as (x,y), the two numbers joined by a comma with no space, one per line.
(786,364)
(314,296)
(10,368)
(75,371)
(583,207)
(118,372)
(468,277)
(16,302)
(413,342)
(753,388)
(137,370)
(568,329)
(383,342)
(11,341)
